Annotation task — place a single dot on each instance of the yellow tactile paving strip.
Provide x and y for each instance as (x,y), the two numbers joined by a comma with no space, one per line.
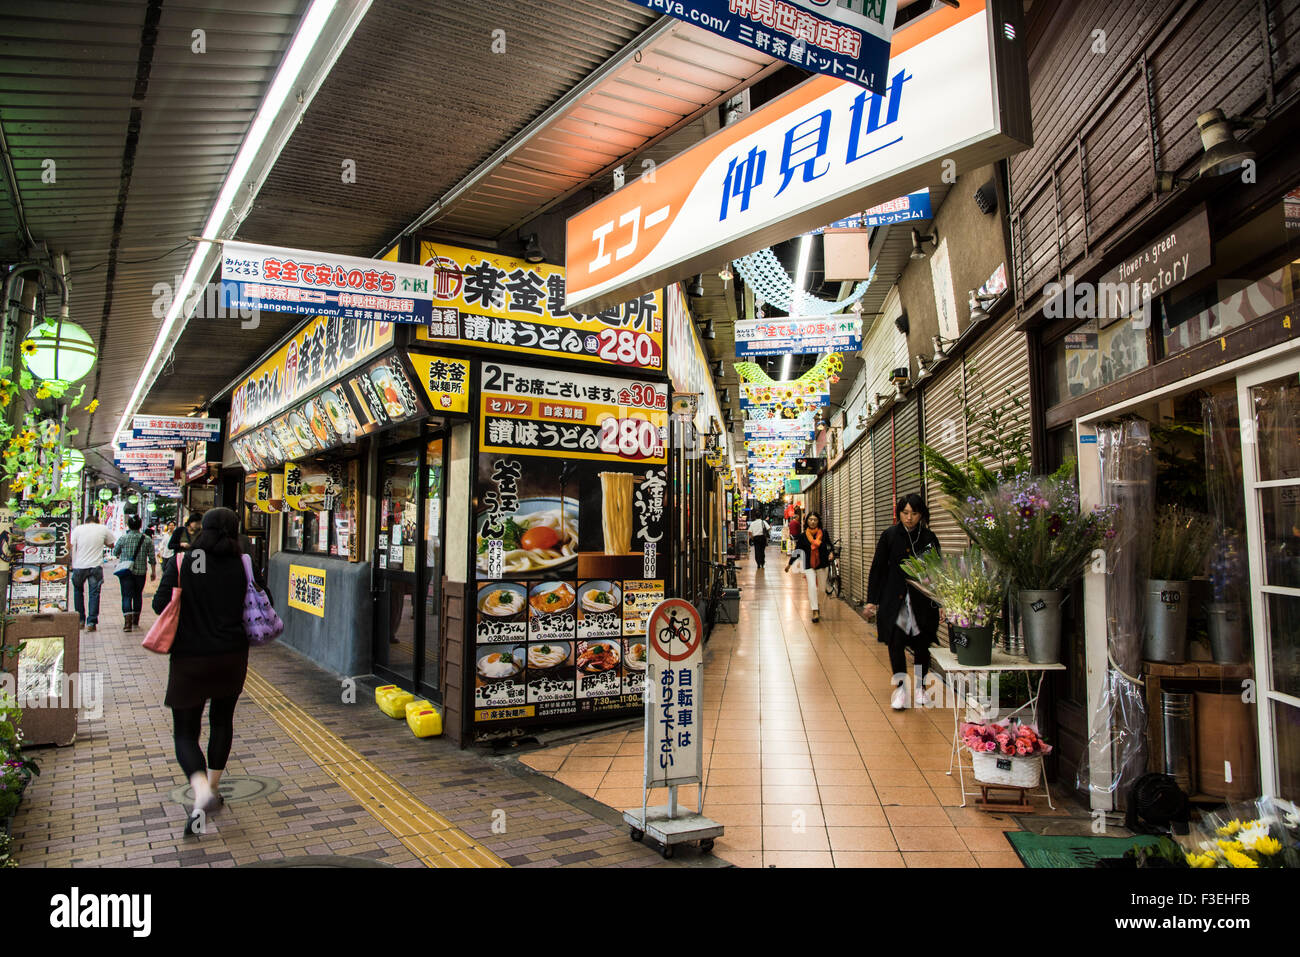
(430,836)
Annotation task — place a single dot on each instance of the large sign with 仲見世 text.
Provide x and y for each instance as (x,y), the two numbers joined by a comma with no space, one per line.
(956,99)
(843,38)
(501,304)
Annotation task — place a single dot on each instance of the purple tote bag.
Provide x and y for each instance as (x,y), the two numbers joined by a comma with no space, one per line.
(261,623)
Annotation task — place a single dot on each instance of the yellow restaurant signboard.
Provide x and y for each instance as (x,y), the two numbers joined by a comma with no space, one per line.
(445,380)
(321,351)
(486,300)
(307,589)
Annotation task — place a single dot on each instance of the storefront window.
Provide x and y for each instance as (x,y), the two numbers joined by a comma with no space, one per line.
(1089,358)
(293,531)
(1256,271)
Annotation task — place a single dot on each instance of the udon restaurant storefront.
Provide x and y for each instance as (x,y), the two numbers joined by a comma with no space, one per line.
(475,507)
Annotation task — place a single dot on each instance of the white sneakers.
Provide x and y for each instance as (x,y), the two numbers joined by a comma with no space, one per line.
(898,700)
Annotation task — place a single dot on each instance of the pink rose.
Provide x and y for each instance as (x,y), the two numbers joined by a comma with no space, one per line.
(990,746)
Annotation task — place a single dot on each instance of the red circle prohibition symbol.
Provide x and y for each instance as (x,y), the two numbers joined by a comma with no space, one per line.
(669,631)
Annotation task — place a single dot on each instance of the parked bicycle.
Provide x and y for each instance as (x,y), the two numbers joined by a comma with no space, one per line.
(723,577)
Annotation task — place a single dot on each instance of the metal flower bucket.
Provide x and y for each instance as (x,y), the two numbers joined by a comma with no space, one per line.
(1040,624)
(1228,633)
(1165,639)
(974,646)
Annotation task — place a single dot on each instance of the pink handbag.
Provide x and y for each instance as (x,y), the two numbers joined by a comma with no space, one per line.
(163,631)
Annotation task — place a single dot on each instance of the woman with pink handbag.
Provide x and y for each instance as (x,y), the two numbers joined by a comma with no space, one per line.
(209,653)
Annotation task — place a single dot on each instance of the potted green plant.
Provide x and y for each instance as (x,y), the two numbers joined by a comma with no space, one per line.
(969,589)
(1033,528)
(15,770)
(1180,544)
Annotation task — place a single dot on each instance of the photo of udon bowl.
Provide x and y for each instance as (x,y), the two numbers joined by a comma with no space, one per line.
(389,392)
(502,601)
(546,656)
(551,598)
(340,413)
(314,412)
(599,596)
(542,535)
(500,664)
(41,537)
(634,657)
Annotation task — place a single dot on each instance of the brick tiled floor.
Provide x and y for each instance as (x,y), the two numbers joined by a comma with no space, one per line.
(105,801)
(806,764)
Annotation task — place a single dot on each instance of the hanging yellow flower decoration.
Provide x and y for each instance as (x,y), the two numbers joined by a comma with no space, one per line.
(29,347)
(92,405)
(43,392)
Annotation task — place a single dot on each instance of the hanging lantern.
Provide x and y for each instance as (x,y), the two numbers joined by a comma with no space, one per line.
(59,351)
(133,499)
(105,494)
(152,507)
(74,460)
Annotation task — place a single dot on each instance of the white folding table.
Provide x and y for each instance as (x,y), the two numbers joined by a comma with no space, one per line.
(946,659)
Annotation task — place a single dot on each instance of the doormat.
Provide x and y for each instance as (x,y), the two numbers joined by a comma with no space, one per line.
(1039,851)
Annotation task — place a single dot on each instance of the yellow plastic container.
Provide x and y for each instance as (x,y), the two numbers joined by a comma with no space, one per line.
(417,705)
(392,700)
(424,722)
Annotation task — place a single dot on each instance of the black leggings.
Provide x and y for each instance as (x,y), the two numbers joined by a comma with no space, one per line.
(899,641)
(221,735)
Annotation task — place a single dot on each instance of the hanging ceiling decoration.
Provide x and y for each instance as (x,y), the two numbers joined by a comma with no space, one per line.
(819,378)
(764,274)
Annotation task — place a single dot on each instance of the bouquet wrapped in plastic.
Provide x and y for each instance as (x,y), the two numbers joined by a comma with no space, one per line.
(1263,833)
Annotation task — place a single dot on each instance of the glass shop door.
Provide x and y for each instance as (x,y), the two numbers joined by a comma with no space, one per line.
(408,565)
(1269,404)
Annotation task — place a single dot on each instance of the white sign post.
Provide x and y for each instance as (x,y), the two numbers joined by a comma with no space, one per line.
(674,749)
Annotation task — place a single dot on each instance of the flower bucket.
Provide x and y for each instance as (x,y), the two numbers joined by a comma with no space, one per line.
(1040,624)
(1165,639)
(1227,633)
(1007,771)
(974,646)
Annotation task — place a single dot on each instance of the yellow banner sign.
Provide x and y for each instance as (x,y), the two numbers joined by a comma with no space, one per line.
(307,589)
(503,304)
(445,380)
(571,416)
(321,351)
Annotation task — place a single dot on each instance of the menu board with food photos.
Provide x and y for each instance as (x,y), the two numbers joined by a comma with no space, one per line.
(39,565)
(372,398)
(570,498)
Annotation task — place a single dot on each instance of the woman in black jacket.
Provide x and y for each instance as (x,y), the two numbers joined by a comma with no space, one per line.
(907,619)
(209,657)
(814,542)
